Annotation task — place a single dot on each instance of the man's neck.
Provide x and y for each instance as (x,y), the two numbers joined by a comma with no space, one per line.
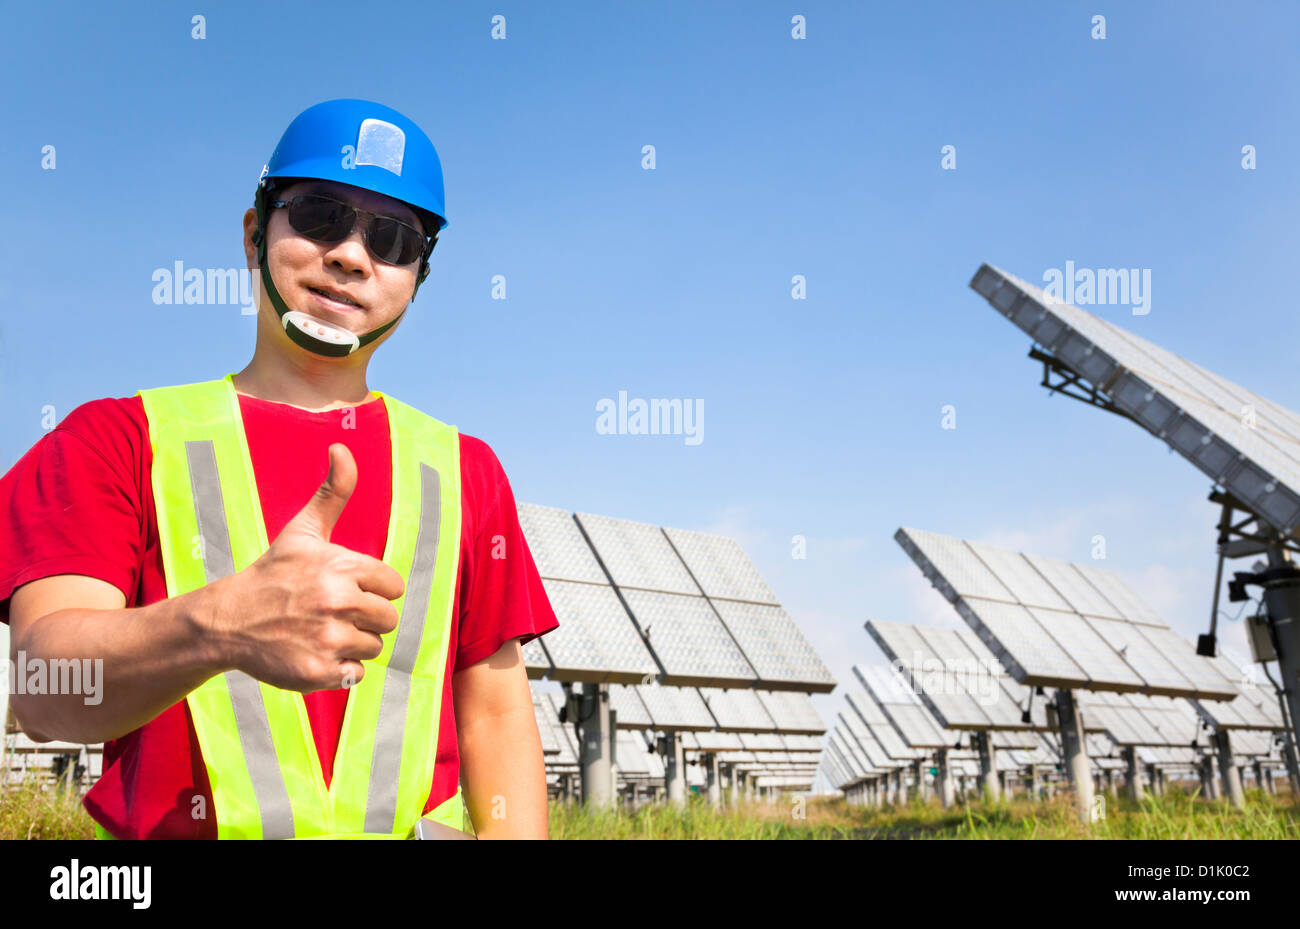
(315,385)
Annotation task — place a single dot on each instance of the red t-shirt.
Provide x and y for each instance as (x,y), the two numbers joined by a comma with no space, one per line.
(81,502)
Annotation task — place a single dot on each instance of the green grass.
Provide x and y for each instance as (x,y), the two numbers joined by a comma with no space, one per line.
(28,812)
(1173,816)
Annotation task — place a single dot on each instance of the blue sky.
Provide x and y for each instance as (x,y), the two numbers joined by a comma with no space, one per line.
(775,158)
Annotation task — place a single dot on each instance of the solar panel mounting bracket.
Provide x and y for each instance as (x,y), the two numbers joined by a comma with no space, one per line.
(1069,378)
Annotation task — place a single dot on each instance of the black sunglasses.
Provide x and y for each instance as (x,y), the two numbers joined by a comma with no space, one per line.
(324,219)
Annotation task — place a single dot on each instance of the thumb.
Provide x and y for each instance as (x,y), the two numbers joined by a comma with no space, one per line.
(322,511)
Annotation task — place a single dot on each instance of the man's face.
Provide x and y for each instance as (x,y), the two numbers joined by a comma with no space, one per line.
(339,282)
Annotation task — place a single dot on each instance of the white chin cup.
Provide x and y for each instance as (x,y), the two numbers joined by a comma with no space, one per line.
(321,330)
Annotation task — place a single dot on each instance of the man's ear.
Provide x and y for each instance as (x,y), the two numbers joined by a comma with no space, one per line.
(250,246)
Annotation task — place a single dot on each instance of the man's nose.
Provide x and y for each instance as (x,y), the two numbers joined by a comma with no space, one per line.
(350,254)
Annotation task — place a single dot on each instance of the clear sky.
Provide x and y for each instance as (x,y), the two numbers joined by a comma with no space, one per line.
(775,157)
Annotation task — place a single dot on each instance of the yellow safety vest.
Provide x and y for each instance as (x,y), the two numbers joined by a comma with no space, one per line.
(255,739)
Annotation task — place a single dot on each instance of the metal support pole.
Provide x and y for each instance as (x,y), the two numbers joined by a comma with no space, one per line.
(1153,780)
(713,780)
(1134,773)
(1075,749)
(900,795)
(675,771)
(1208,786)
(947,790)
(1228,769)
(597,761)
(1032,782)
(1282,603)
(1258,770)
(920,784)
(988,766)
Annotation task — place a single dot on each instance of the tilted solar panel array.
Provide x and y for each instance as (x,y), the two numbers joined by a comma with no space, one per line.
(1196,412)
(637,602)
(910,719)
(1057,624)
(961,687)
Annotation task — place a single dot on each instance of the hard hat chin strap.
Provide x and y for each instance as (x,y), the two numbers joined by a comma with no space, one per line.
(317,335)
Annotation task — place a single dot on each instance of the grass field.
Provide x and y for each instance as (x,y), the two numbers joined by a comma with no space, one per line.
(30,813)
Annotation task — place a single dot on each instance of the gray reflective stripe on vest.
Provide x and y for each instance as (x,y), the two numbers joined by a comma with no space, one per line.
(390,732)
(245,692)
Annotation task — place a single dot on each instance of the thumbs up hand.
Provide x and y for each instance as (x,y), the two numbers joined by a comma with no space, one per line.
(306,613)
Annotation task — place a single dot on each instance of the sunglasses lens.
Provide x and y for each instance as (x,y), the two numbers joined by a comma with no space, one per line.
(394,242)
(320,218)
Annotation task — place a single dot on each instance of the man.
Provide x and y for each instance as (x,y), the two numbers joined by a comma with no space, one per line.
(282,656)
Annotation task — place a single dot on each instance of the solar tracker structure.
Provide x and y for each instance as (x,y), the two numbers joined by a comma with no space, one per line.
(1053,623)
(1194,411)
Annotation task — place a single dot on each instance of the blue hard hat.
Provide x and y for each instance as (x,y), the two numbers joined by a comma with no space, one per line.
(367,145)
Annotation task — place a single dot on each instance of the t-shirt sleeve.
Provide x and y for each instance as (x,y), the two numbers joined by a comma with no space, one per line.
(71,506)
(502,596)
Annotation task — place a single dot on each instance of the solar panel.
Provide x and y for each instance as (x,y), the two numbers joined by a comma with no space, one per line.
(1079,595)
(536,664)
(637,555)
(853,727)
(557,545)
(849,748)
(595,641)
(676,708)
(720,567)
(761,742)
(1088,647)
(550,745)
(630,754)
(944,694)
(870,713)
(955,677)
(775,646)
(737,710)
(1194,411)
(632,713)
(793,712)
(689,639)
(1057,624)
(1205,677)
(563,733)
(910,719)
(718,742)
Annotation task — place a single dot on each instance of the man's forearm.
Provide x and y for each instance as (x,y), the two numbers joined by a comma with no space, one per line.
(504,775)
(152,656)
